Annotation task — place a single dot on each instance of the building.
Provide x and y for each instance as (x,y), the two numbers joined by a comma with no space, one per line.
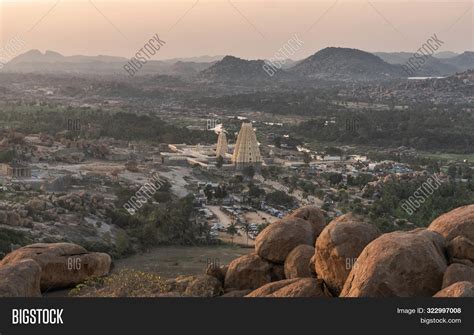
(221,148)
(246,150)
(17,170)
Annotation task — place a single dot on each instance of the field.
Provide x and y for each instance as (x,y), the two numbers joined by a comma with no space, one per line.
(449,156)
(172,261)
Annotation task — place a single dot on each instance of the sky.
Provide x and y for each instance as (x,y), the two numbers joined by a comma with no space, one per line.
(252,29)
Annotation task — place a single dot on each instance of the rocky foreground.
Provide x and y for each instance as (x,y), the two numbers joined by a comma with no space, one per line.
(298,256)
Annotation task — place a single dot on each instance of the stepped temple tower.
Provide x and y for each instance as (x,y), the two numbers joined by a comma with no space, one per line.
(221,149)
(246,151)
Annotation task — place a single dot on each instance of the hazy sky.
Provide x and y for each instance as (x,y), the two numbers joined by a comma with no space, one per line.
(249,29)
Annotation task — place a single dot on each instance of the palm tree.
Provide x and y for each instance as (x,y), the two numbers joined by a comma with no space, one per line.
(232,230)
(246,228)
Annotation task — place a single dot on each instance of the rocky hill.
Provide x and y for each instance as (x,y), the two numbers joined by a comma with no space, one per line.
(297,256)
(434,66)
(233,69)
(463,62)
(345,64)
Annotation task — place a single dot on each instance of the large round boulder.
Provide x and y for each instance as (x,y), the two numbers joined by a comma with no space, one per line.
(462,289)
(339,246)
(458,272)
(399,264)
(276,241)
(313,215)
(248,272)
(461,248)
(297,263)
(62,264)
(458,222)
(204,286)
(20,279)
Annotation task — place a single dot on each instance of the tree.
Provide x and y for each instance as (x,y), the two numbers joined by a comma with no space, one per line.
(219,161)
(232,231)
(335,178)
(246,228)
(306,158)
(452,171)
(122,243)
(208,192)
(249,171)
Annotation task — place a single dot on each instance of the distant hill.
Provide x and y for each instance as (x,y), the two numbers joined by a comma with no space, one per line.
(35,56)
(231,68)
(345,64)
(198,59)
(34,61)
(445,54)
(431,68)
(327,64)
(188,69)
(463,62)
(434,66)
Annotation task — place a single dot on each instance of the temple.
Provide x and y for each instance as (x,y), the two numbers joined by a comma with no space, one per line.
(246,150)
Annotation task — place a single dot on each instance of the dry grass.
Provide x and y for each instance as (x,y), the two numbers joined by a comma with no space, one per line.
(124,283)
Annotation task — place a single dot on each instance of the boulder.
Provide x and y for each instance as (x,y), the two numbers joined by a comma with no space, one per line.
(278,272)
(217,272)
(179,284)
(462,289)
(270,288)
(236,294)
(62,264)
(204,286)
(338,247)
(20,279)
(458,222)
(276,241)
(35,205)
(248,272)
(13,219)
(461,247)
(458,272)
(297,263)
(303,288)
(313,215)
(398,264)
(312,266)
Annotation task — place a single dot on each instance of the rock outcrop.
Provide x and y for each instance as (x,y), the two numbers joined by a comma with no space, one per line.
(298,262)
(458,222)
(20,279)
(339,246)
(62,264)
(463,289)
(276,241)
(456,273)
(293,288)
(270,288)
(303,288)
(204,286)
(399,264)
(313,215)
(248,272)
(461,248)
(217,272)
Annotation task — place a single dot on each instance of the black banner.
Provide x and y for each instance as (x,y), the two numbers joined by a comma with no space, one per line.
(237,316)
